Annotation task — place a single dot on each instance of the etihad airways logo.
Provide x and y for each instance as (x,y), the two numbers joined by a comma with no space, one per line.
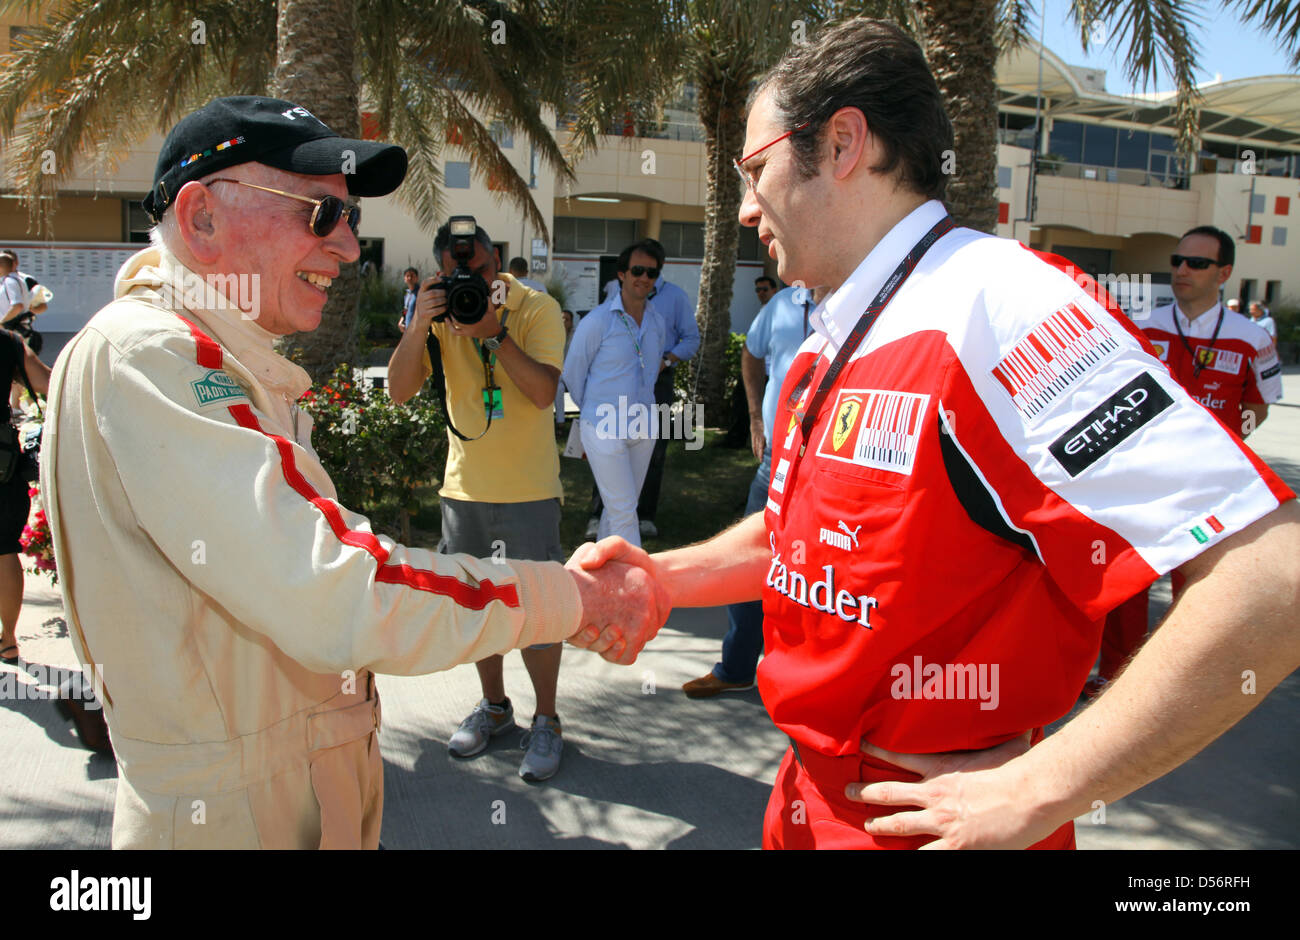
(1111,423)
(821,594)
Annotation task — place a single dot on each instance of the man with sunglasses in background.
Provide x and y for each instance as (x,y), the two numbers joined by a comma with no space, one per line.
(610,370)
(1226,362)
(974,459)
(230,613)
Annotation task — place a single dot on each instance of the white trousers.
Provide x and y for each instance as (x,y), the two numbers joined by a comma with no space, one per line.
(619,466)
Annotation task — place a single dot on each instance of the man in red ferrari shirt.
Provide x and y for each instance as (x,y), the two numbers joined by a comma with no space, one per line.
(975,459)
(1227,363)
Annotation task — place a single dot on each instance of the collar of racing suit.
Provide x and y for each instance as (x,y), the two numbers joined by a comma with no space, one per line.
(158,270)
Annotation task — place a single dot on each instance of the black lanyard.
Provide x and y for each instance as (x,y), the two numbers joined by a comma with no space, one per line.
(808,417)
(1197,366)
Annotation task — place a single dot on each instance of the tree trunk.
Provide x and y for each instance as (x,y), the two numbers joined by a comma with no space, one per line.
(723,139)
(315,68)
(961,46)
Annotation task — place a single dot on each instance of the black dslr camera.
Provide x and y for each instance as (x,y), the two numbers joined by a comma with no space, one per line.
(467,294)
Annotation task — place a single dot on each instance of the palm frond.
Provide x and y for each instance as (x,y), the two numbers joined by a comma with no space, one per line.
(1158,34)
(1281,18)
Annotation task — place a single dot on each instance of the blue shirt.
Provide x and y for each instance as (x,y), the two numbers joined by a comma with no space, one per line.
(682,333)
(603,364)
(674,305)
(776,335)
(408,303)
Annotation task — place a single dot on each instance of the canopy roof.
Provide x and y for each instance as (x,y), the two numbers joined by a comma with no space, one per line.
(1263,110)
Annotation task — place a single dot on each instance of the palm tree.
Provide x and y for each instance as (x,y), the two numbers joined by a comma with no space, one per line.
(962,39)
(114,70)
(720,46)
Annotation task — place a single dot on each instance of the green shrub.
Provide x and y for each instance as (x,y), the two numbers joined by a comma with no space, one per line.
(378,453)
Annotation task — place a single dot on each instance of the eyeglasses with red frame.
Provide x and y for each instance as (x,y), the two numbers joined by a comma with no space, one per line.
(744,174)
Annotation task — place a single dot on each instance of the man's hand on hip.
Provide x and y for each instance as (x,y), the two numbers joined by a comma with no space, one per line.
(969,799)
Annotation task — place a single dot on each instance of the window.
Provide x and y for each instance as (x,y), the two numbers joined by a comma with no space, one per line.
(1099,145)
(1279,236)
(1066,141)
(1133,148)
(1004,177)
(1258,204)
(1282,206)
(593,236)
(683,239)
(1272,291)
(750,248)
(135,223)
(1247,292)
(504,136)
(1004,213)
(455,175)
(1255,235)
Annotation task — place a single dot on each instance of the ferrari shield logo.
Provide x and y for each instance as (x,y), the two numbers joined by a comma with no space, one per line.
(845,421)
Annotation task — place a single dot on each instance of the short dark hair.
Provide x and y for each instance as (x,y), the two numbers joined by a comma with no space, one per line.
(654,249)
(625,256)
(771,282)
(411,271)
(442,240)
(1227,248)
(518,264)
(873,66)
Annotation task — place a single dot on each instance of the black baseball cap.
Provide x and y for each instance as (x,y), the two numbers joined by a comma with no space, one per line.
(252,129)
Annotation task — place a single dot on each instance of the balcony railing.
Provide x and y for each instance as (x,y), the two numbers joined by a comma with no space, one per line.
(1168,176)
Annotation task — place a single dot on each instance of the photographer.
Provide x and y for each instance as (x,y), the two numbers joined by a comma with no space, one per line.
(501,490)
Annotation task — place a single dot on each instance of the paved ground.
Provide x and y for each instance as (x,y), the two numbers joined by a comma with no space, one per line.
(644,766)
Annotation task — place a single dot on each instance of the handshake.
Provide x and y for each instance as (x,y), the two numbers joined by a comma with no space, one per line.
(624,602)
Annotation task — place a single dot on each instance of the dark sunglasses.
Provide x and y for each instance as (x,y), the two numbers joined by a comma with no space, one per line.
(637,270)
(324,218)
(1193,262)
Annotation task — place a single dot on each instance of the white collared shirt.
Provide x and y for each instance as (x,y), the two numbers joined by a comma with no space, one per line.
(1203,326)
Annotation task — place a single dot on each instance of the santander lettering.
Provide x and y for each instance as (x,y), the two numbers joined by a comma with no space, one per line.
(821,594)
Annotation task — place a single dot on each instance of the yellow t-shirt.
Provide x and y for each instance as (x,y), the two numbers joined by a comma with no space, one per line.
(516,461)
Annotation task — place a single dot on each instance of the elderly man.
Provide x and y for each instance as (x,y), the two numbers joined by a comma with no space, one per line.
(974,459)
(233,613)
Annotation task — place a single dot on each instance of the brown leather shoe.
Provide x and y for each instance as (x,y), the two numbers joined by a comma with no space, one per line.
(710,685)
(90,725)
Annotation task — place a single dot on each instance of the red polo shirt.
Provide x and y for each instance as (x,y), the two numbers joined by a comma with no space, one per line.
(1000,463)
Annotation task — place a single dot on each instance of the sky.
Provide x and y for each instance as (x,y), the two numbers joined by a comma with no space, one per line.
(1227,49)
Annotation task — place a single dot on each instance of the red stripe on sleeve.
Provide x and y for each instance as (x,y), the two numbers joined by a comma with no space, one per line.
(467,596)
(209,353)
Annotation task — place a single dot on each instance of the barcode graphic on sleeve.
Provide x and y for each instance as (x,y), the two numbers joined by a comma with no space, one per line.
(1052,357)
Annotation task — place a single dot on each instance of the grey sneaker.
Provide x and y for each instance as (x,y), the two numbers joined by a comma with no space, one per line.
(593,528)
(484,722)
(648,530)
(544,742)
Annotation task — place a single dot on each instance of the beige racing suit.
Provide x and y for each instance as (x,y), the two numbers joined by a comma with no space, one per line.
(232,610)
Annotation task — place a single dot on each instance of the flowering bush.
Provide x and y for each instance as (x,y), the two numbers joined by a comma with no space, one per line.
(36,541)
(377,452)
